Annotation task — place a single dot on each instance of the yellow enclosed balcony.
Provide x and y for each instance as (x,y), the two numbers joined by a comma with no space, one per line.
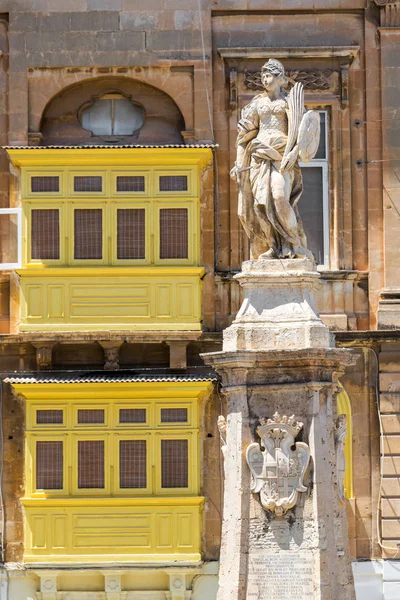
(110,237)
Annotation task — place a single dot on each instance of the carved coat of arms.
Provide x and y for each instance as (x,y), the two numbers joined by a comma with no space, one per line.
(278,464)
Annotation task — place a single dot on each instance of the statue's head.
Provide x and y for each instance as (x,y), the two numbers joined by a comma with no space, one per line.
(273,75)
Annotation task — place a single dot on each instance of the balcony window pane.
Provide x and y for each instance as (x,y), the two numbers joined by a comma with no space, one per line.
(174,233)
(91,464)
(132,464)
(88,234)
(131,233)
(49,465)
(45,234)
(174,463)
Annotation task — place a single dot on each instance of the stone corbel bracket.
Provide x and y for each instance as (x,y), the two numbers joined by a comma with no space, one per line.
(343,54)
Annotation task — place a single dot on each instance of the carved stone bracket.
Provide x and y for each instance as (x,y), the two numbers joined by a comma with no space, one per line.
(389,12)
(111,355)
(44,356)
(278,470)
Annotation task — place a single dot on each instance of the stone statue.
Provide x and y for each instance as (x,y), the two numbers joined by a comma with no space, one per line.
(274,133)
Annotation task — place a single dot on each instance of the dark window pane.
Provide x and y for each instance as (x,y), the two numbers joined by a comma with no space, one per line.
(88,184)
(130,183)
(91,464)
(131,233)
(49,465)
(49,416)
(173,183)
(45,234)
(174,463)
(45,184)
(311,210)
(174,415)
(132,415)
(90,416)
(132,464)
(88,233)
(321,152)
(173,233)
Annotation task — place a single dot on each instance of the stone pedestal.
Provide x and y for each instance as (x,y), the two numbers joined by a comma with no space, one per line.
(278,357)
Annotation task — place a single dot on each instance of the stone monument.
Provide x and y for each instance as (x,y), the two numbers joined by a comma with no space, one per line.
(284,534)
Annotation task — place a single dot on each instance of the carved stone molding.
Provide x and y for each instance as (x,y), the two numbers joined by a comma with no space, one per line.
(44,356)
(389,12)
(278,470)
(312,79)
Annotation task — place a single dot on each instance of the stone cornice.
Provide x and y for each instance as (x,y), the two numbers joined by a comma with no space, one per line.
(343,53)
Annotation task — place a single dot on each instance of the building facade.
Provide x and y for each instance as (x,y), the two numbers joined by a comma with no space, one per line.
(119,243)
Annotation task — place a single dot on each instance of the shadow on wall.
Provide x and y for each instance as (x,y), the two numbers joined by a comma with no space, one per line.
(62,120)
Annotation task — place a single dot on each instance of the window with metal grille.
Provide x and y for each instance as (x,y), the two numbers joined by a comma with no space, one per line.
(45,184)
(92,416)
(49,465)
(174,233)
(132,415)
(130,183)
(174,415)
(174,463)
(132,464)
(54,417)
(88,233)
(91,464)
(88,183)
(131,233)
(173,183)
(45,234)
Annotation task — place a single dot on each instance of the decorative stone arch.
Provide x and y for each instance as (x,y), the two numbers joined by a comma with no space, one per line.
(344,408)
(175,86)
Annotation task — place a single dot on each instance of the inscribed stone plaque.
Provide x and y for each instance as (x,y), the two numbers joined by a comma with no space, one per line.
(283,576)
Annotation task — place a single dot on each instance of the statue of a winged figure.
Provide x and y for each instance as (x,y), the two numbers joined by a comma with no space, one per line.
(275,132)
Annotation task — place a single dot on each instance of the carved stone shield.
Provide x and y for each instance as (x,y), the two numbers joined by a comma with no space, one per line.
(278,469)
(308,136)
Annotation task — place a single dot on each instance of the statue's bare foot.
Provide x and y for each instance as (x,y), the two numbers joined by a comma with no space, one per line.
(269,254)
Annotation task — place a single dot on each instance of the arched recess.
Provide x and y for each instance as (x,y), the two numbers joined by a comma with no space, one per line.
(61,124)
(344,408)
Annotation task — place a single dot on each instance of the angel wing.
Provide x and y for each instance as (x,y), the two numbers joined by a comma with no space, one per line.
(255,460)
(308,137)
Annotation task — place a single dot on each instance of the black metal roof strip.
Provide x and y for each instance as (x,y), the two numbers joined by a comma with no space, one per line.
(106,378)
(93,147)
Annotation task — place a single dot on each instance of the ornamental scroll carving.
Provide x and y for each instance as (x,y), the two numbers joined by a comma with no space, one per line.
(311,79)
(278,464)
(389,13)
